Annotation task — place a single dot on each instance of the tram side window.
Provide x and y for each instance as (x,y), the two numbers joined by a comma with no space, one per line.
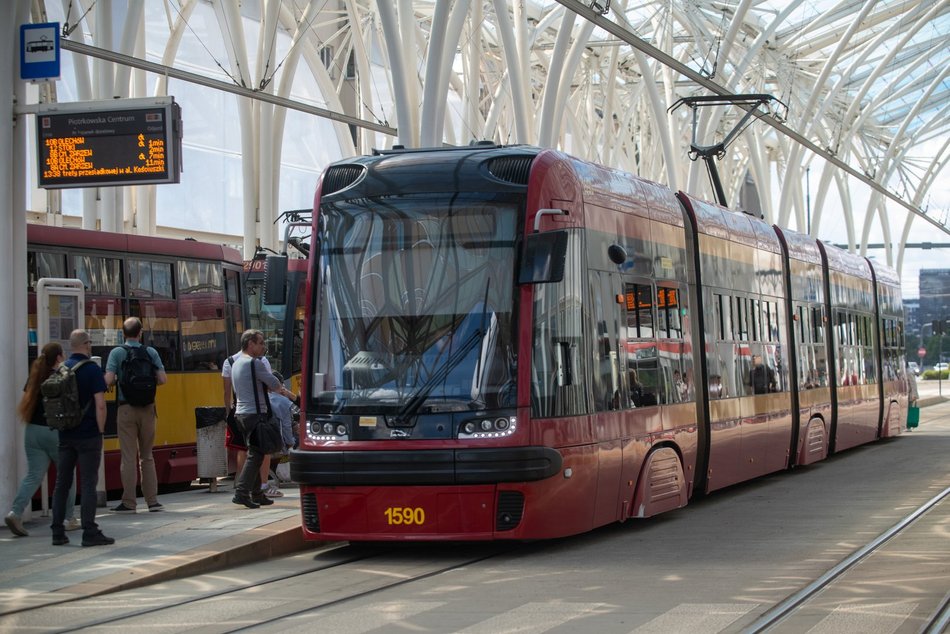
(867,351)
(100,276)
(40,264)
(643,372)
(675,363)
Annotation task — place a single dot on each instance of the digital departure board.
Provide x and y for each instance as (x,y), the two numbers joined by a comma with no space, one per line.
(102,143)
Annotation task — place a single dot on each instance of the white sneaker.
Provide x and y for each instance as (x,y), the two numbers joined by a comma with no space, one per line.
(15,524)
(72,524)
(271,491)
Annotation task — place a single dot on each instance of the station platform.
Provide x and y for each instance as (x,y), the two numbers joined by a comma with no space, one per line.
(199,531)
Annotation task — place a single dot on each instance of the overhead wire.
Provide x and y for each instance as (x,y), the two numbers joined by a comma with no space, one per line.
(68,31)
(207,50)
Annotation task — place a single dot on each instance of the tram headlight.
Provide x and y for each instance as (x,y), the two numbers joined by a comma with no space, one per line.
(499,427)
(328,428)
(341,430)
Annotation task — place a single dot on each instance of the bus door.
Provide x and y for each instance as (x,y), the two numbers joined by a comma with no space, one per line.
(234,309)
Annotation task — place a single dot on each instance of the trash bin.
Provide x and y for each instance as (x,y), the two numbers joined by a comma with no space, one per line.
(212,454)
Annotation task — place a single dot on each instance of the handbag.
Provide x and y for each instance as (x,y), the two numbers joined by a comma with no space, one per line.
(913,417)
(265,436)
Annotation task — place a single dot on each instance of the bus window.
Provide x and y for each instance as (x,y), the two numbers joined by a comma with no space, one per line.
(40,264)
(202,315)
(150,279)
(100,276)
(160,328)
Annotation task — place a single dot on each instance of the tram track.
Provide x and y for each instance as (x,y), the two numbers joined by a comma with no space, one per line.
(779,614)
(352,559)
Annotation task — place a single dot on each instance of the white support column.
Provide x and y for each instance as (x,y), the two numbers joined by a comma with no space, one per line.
(474,123)
(660,118)
(363,74)
(398,71)
(99,207)
(269,161)
(229,20)
(409,58)
(140,214)
(447,29)
(429,132)
(12,247)
(516,80)
(547,134)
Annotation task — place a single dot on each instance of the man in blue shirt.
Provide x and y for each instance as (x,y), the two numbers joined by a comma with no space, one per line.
(135,424)
(82,445)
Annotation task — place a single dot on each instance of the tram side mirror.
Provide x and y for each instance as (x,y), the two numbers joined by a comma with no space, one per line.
(275,280)
(542,258)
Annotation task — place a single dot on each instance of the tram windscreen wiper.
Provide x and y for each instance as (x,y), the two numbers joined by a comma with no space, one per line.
(414,403)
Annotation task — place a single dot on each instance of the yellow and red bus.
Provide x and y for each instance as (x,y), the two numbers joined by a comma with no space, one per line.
(189,297)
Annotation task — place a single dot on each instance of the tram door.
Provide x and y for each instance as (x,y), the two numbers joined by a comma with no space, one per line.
(609,389)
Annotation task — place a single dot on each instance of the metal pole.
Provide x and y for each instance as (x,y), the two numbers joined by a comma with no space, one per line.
(808,200)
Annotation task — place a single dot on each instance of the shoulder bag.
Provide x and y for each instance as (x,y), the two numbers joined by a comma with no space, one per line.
(266,434)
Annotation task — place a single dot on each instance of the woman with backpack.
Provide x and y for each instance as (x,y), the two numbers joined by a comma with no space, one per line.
(40,441)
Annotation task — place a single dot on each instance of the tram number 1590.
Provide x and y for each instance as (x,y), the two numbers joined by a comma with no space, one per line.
(405,515)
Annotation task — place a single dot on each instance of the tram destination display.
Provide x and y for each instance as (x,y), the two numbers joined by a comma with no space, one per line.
(94,144)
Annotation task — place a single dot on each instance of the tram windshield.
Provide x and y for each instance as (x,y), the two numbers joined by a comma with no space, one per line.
(415,306)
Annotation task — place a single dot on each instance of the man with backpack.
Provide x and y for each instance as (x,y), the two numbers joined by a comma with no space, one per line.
(80,443)
(137,370)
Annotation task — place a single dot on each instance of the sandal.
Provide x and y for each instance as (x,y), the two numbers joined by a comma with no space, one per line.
(273,492)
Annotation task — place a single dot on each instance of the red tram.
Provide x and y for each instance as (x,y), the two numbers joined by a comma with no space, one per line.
(510,343)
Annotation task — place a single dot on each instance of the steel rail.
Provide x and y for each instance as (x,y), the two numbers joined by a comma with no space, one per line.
(939,621)
(780,611)
(627,36)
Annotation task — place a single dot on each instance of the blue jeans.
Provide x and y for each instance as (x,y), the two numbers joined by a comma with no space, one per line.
(86,452)
(248,483)
(42,447)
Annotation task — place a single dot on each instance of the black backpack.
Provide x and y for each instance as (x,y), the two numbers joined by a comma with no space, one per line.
(137,377)
(61,398)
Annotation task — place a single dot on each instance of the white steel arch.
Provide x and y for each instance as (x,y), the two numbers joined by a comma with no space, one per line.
(864,80)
